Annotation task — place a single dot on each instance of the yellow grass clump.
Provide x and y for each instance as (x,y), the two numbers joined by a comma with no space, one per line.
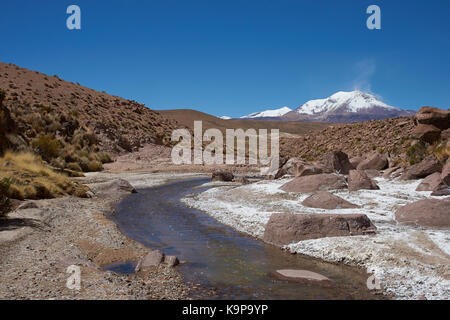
(31,178)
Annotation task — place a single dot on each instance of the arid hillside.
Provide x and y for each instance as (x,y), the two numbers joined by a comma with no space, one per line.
(47,105)
(186,118)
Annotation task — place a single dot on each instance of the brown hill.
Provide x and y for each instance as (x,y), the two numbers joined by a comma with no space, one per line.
(186,118)
(73,127)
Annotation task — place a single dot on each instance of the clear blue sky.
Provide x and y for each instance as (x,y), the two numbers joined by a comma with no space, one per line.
(236,57)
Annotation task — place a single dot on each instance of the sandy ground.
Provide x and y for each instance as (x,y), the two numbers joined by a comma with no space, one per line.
(409,262)
(38,244)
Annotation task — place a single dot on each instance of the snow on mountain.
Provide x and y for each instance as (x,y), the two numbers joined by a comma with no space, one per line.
(354,101)
(268,113)
(225,117)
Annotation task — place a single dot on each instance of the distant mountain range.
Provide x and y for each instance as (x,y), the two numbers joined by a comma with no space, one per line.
(342,106)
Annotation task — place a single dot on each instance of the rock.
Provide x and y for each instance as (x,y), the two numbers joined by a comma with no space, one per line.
(336,161)
(430,182)
(153,258)
(307,170)
(286,228)
(426,213)
(302,276)
(358,180)
(441,190)
(90,194)
(28,205)
(389,172)
(171,261)
(422,169)
(289,168)
(445,134)
(242,180)
(434,116)
(427,133)
(222,176)
(445,176)
(372,173)
(323,182)
(375,161)
(355,161)
(326,200)
(113,187)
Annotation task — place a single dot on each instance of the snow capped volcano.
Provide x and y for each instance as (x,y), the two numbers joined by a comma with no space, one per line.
(353,101)
(268,113)
(346,107)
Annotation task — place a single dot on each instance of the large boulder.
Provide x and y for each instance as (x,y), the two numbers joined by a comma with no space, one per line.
(355,161)
(375,161)
(372,173)
(433,213)
(289,168)
(286,228)
(222,176)
(427,133)
(358,180)
(336,161)
(302,170)
(441,190)
(326,200)
(118,186)
(312,183)
(430,182)
(390,173)
(422,169)
(434,116)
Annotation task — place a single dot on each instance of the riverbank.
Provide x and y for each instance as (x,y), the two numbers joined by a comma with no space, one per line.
(409,262)
(42,238)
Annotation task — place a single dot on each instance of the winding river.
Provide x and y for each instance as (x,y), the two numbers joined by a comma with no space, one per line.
(221,262)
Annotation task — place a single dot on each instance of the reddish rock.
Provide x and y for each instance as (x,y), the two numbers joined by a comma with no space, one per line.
(290,167)
(445,134)
(286,228)
(375,161)
(434,116)
(427,213)
(389,172)
(430,182)
(445,176)
(336,161)
(427,133)
(323,182)
(307,170)
(153,258)
(355,161)
(422,169)
(303,276)
(358,180)
(372,173)
(222,176)
(441,190)
(171,261)
(326,200)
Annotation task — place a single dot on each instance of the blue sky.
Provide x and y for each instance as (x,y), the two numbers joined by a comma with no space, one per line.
(236,57)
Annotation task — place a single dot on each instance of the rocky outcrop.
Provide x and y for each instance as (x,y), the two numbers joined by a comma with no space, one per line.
(326,200)
(358,180)
(312,183)
(434,116)
(307,170)
(392,172)
(222,176)
(433,213)
(375,161)
(430,182)
(289,168)
(286,228)
(422,169)
(426,133)
(336,161)
(302,276)
(355,161)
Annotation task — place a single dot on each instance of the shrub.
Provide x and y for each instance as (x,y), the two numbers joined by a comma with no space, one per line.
(94,165)
(416,153)
(74,167)
(4,200)
(47,147)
